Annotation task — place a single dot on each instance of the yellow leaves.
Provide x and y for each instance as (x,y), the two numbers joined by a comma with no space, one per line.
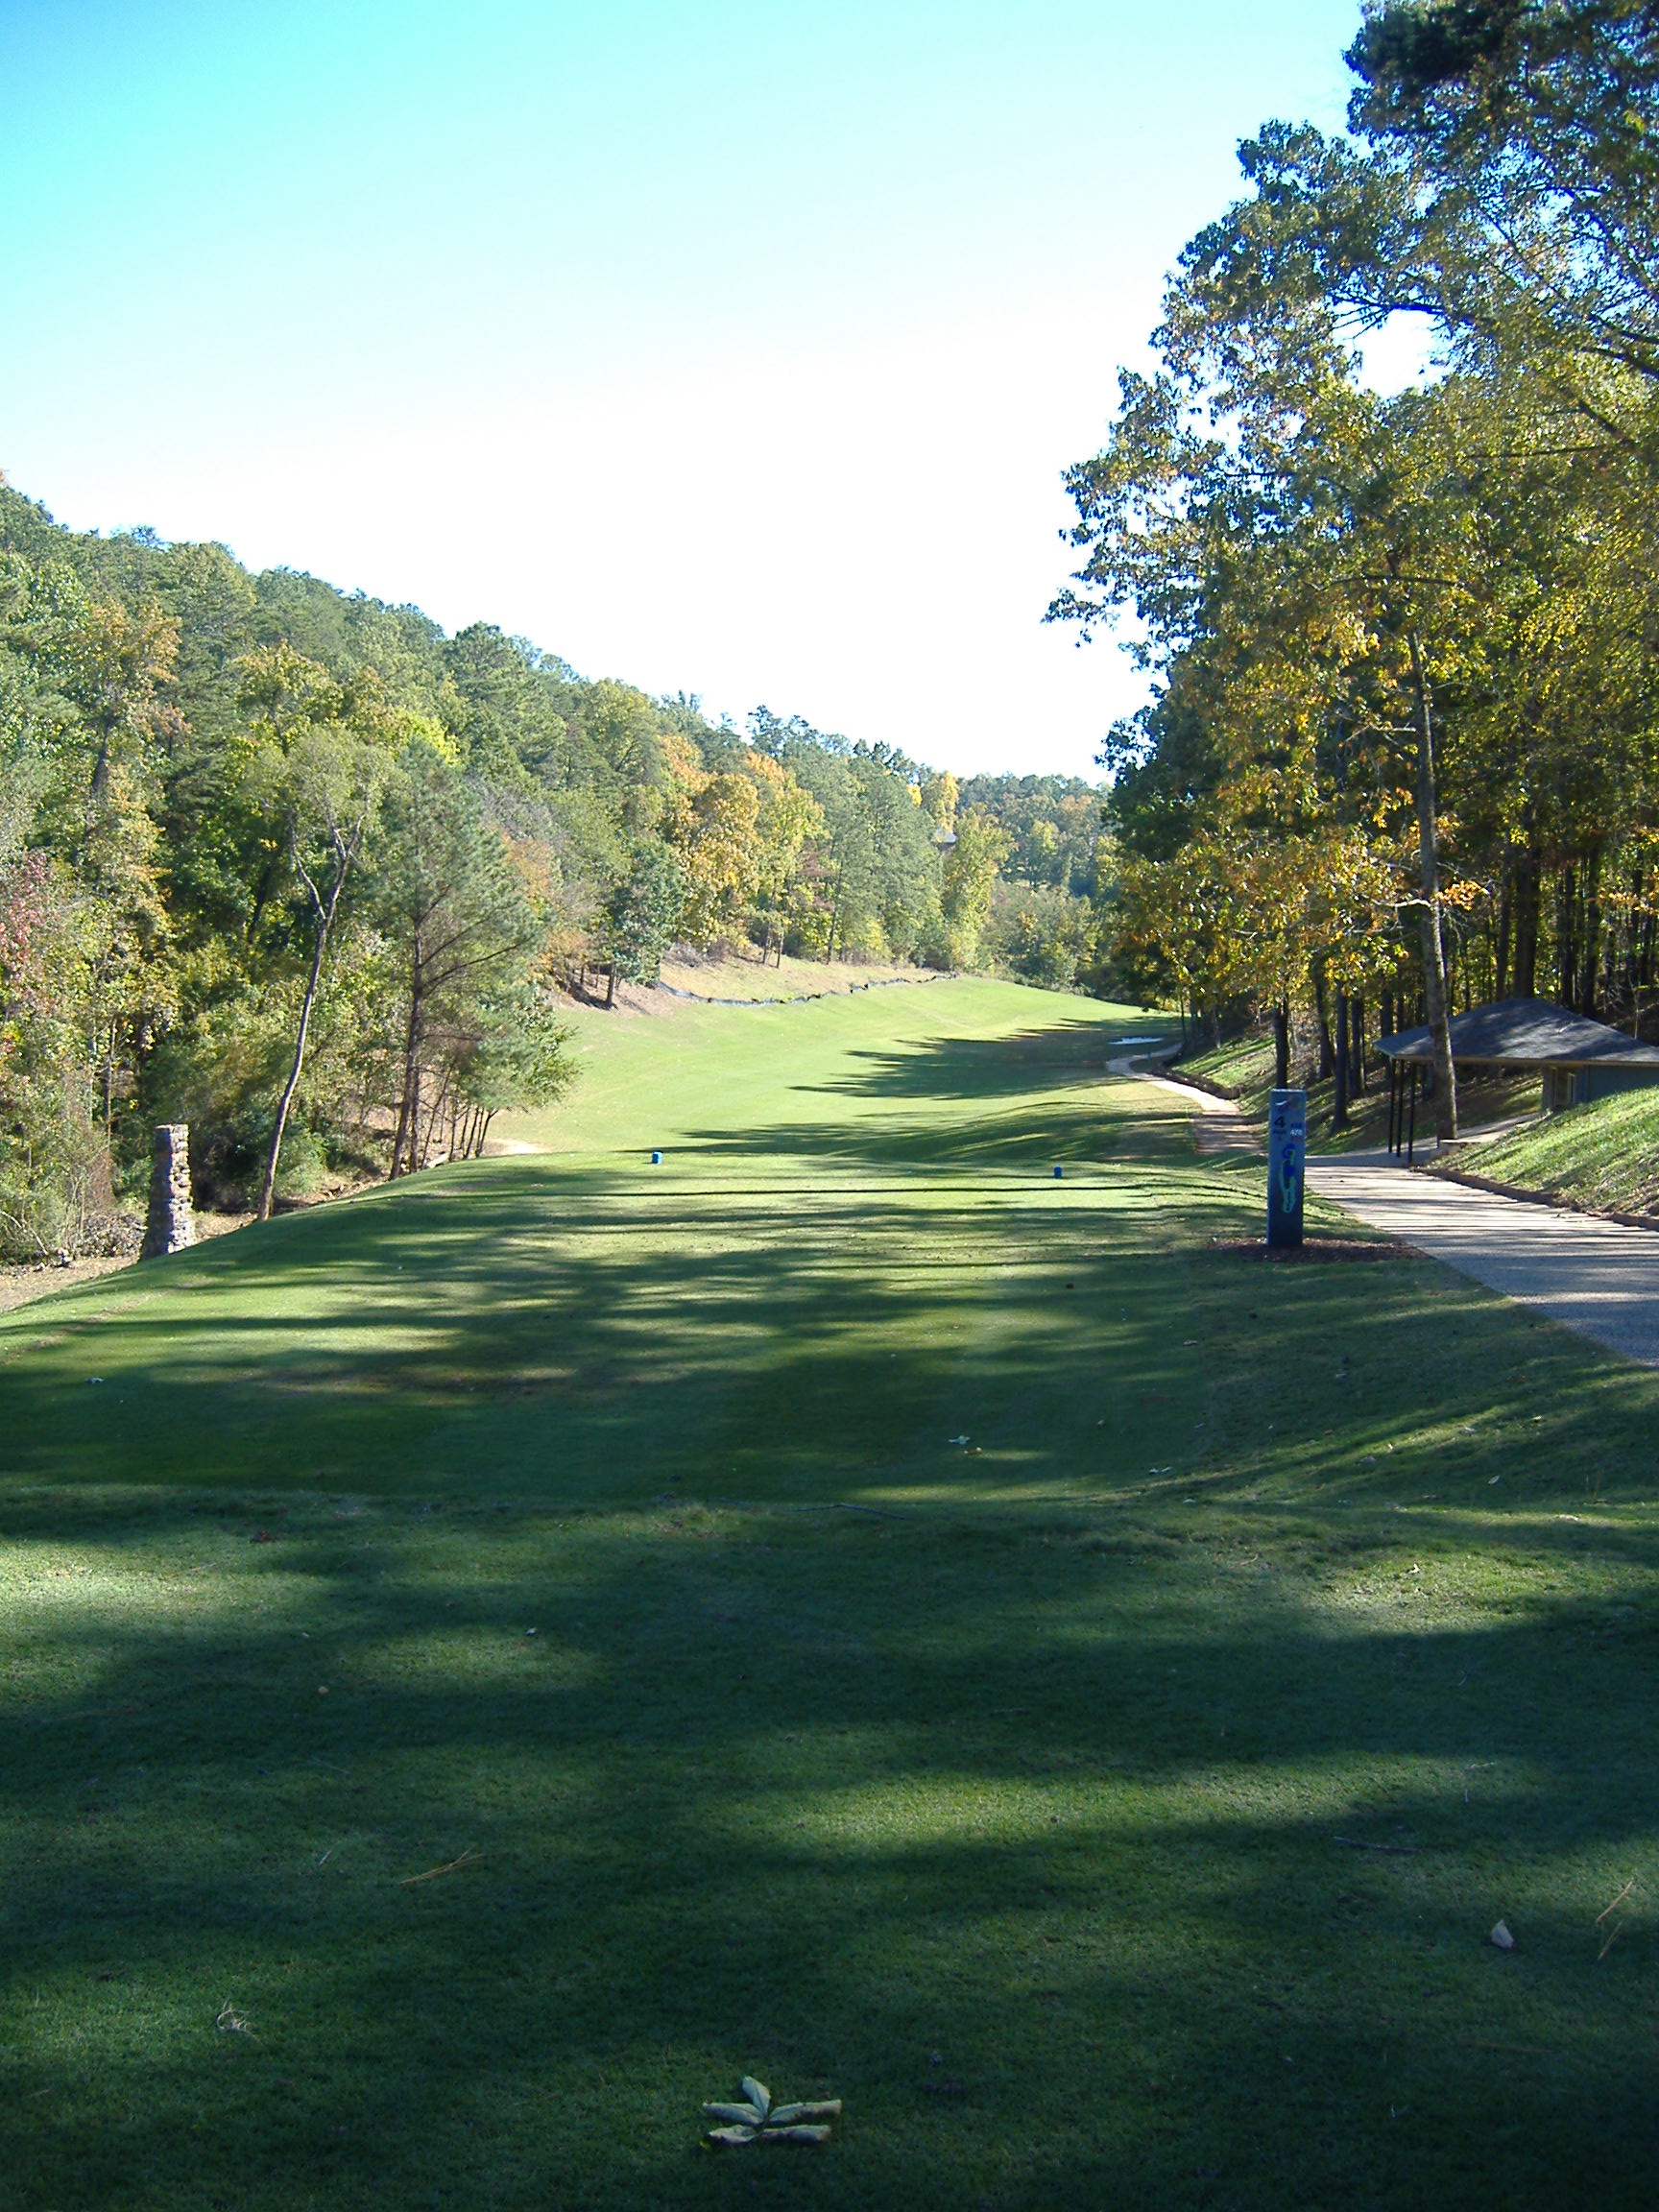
(720,844)
(283,688)
(1247,912)
(740,832)
(939,797)
(1464,893)
(970,871)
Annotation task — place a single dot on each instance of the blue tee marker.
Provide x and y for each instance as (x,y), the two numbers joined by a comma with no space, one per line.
(1058,1172)
(1286,1153)
(656,1159)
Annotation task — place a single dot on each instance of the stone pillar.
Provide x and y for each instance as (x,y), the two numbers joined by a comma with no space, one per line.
(172,1225)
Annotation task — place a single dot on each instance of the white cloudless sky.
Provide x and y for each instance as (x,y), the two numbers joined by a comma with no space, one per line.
(729,348)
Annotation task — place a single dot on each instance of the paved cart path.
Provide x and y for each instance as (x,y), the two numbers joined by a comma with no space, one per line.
(1596,1276)
(1218,1124)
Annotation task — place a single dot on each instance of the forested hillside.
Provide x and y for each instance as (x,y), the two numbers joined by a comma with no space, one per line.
(297,868)
(1403,751)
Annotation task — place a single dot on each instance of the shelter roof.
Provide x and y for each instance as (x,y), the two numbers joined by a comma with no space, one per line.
(1526,1033)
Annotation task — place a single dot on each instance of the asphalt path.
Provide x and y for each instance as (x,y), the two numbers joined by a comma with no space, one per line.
(1595,1276)
(1218,1124)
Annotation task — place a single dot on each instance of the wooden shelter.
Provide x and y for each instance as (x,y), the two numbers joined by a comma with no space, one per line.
(1577,1059)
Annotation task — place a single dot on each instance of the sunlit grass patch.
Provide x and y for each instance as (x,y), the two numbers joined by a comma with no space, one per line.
(1602,1155)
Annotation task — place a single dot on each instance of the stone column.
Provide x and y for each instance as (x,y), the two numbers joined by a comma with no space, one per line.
(172,1225)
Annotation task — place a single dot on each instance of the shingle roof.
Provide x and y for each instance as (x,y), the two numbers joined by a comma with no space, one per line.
(1526,1033)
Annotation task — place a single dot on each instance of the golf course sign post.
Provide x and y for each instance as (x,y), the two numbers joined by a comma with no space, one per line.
(1286,1154)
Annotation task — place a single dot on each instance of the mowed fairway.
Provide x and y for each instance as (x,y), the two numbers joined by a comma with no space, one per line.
(844,1606)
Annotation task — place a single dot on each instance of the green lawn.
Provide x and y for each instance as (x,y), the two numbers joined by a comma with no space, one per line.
(1605,1155)
(967,1608)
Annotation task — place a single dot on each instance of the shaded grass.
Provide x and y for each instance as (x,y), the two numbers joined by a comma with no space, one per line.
(991,1785)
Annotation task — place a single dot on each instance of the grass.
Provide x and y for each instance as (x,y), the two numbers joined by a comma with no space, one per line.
(969,1608)
(1603,1156)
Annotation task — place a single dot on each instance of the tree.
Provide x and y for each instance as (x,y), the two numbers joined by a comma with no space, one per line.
(509,1052)
(319,755)
(788,818)
(968,873)
(718,840)
(1536,122)
(458,923)
(642,915)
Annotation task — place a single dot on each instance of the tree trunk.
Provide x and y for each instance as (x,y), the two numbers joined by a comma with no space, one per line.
(325,922)
(1592,931)
(1327,1049)
(1339,1106)
(1428,861)
(1505,924)
(611,985)
(1356,1043)
(409,1107)
(1526,874)
(1281,1045)
(434,1115)
(1566,964)
(835,915)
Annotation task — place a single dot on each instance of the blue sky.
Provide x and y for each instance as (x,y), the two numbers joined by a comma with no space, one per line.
(725,347)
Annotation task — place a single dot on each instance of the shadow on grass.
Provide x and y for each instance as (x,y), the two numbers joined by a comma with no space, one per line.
(1063,1052)
(1049,1799)
(532,1330)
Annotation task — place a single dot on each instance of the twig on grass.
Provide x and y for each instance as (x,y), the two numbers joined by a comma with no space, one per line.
(1618,1928)
(467,1858)
(1401,1850)
(1616,1902)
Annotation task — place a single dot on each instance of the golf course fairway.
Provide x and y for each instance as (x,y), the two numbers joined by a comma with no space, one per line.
(487,1664)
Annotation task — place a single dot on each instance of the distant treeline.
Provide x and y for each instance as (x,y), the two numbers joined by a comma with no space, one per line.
(295,867)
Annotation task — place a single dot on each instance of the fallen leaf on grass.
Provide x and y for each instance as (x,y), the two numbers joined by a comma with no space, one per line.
(1502,1938)
(231,2022)
(756,2120)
